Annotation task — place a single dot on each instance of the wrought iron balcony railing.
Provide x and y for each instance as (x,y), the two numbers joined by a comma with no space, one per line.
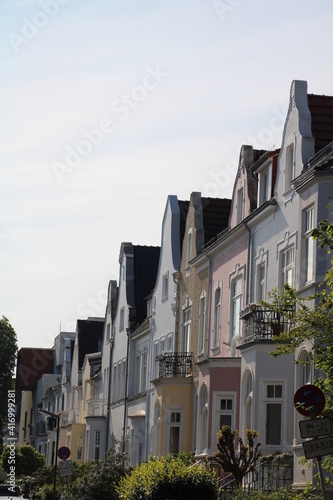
(175,364)
(263,324)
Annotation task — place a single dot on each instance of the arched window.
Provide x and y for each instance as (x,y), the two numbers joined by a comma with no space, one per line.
(157,428)
(203,419)
(248,399)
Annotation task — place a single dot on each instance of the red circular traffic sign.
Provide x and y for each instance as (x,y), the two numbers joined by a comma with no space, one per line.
(64,453)
(309,400)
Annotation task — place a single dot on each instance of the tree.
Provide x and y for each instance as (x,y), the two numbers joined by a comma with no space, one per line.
(171,477)
(8,351)
(237,463)
(311,321)
(27,460)
(99,479)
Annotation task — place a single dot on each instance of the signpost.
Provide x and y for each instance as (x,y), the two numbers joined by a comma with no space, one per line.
(309,401)
(66,466)
(315,428)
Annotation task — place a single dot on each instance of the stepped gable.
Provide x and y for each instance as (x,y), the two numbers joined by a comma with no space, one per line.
(183,209)
(216,212)
(321,109)
(146,259)
(90,332)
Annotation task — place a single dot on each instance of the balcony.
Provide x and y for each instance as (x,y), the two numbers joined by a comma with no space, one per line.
(175,365)
(96,408)
(263,324)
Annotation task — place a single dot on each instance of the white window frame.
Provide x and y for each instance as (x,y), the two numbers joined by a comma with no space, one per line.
(288,266)
(170,410)
(165,286)
(203,419)
(309,243)
(240,204)
(290,166)
(202,323)
(264,188)
(186,325)
(270,400)
(144,370)
(122,318)
(217,396)
(188,250)
(217,315)
(236,298)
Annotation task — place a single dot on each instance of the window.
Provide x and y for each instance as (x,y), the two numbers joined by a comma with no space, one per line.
(114,382)
(188,247)
(236,305)
(264,186)
(97,444)
(157,420)
(79,448)
(248,384)
(217,317)
(261,282)
(174,432)
(203,419)
(137,370)
(156,372)
(124,378)
(202,315)
(169,342)
(309,243)
(122,318)
(290,171)
(288,266)
(225,412)
(273,406)
(239,206)
(165,286)
(187,328)
(305,370)
(144,371)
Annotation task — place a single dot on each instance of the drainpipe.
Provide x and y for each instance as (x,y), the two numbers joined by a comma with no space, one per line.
(208,315)
(109,395)
(249,257)
(176,278)
(128,331)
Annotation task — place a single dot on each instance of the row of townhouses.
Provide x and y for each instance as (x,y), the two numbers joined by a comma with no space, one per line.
(183,348)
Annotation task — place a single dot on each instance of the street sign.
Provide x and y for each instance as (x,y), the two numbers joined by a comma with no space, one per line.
(318,447)
(64,453)
(309,400)
(66,468)
(315,428)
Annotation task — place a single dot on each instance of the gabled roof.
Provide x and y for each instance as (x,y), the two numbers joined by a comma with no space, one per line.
(90,333)
(146,261)
(321,109)
(216,212)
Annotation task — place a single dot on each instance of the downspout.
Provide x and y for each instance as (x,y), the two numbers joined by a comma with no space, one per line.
(109,395)
(128,331)
(208,316)
(249,260)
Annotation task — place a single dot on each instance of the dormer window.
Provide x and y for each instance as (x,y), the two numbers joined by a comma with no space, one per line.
(149,308)
(264,191)
(165,286)
(188,249)
(290,167)
(239,206)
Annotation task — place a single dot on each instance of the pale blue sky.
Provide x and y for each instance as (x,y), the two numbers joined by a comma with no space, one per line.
(223,80)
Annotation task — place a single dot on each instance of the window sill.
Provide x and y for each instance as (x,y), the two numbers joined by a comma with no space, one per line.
(215,350)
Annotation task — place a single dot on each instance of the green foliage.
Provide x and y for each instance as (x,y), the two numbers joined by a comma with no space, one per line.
(239,463)
(98,480)
(27,460)
(8,342)
(172,478)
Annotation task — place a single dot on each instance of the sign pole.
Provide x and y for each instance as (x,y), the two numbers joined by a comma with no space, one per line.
(321,478)
(68,488)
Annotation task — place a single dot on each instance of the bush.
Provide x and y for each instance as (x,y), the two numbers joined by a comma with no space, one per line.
(98,480)
(172,478)
(27,460)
